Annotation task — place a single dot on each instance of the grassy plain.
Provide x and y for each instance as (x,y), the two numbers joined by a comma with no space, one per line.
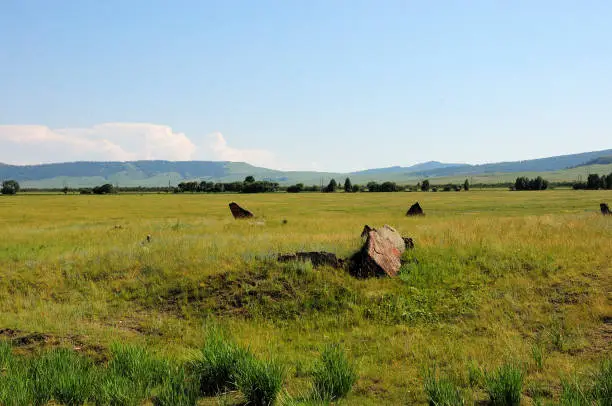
(496,277)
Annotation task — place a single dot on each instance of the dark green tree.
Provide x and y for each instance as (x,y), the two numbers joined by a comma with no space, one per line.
(249,179)
(10,187)
(594,182)
(348,187)
(104,189)
(425,185)
(466,185)
(331,187)
(295,188)
(609,181)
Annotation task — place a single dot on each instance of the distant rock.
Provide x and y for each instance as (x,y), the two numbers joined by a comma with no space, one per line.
(415,210)
(238,212)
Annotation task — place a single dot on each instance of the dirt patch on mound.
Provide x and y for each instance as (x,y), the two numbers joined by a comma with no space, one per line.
(27,342)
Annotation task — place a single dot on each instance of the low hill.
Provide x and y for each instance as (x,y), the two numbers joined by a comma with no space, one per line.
(162,173)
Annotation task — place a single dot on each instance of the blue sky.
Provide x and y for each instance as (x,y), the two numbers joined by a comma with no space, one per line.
(327,85)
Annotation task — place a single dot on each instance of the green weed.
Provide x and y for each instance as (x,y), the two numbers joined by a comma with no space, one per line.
(260,381)
(441,391)
(179,388)
(504,386)
(64,376)
(218,363)
(335,375)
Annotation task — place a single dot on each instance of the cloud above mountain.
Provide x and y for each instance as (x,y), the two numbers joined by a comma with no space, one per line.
(35,144)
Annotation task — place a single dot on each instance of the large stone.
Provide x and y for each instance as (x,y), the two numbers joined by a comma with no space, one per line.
(415,210)
(605,210)
(381,253)
(317,258)
(238,212)
(392,235)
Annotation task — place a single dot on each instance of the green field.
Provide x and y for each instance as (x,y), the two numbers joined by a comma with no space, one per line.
(496,277)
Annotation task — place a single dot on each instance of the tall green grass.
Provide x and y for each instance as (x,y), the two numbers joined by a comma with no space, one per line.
(260,381)
(334,375)
(490,270)
(179,388)
(441,391)
(217,365)
(505,385)
(64,376)
(594,391)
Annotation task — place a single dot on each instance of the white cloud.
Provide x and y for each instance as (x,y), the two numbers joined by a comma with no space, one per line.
(219,148)
(34,144)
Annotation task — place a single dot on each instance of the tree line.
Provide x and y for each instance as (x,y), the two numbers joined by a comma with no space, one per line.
(595,182)
(250,185)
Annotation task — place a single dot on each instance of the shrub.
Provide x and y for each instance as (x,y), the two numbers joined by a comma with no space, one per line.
(220,359)
(335,375)
(504,386)
(260,381)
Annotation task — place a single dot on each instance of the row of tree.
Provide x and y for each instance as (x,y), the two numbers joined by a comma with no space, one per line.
(595,182)
(249,185)
(332,186)
(524,183)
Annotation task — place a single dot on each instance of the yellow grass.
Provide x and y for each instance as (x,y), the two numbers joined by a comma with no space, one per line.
(497,272)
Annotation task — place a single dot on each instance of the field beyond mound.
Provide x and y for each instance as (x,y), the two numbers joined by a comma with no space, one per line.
(496,277)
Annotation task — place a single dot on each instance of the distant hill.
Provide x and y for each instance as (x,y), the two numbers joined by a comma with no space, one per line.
(430,165)
(602,160)
(162,173)
(533,165)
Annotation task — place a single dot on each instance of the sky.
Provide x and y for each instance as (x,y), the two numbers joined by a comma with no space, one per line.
(334,85)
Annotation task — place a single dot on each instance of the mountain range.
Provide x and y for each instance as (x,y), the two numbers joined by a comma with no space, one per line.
(162,173)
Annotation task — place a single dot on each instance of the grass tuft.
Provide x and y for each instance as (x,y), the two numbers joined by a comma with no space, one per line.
(335,375)
(178,389)
(137,365)
(505,385)
(537,354)
(441,391)
(215,369)
(475,376)
(64,376)
(260,381)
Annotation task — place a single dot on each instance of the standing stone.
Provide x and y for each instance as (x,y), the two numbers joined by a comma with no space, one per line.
(238,212)
(415,210)
(381,253)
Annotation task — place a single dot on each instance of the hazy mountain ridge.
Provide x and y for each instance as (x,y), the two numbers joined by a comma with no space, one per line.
(162,173)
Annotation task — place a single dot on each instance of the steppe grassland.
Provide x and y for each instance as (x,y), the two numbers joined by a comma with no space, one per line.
(493,274)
